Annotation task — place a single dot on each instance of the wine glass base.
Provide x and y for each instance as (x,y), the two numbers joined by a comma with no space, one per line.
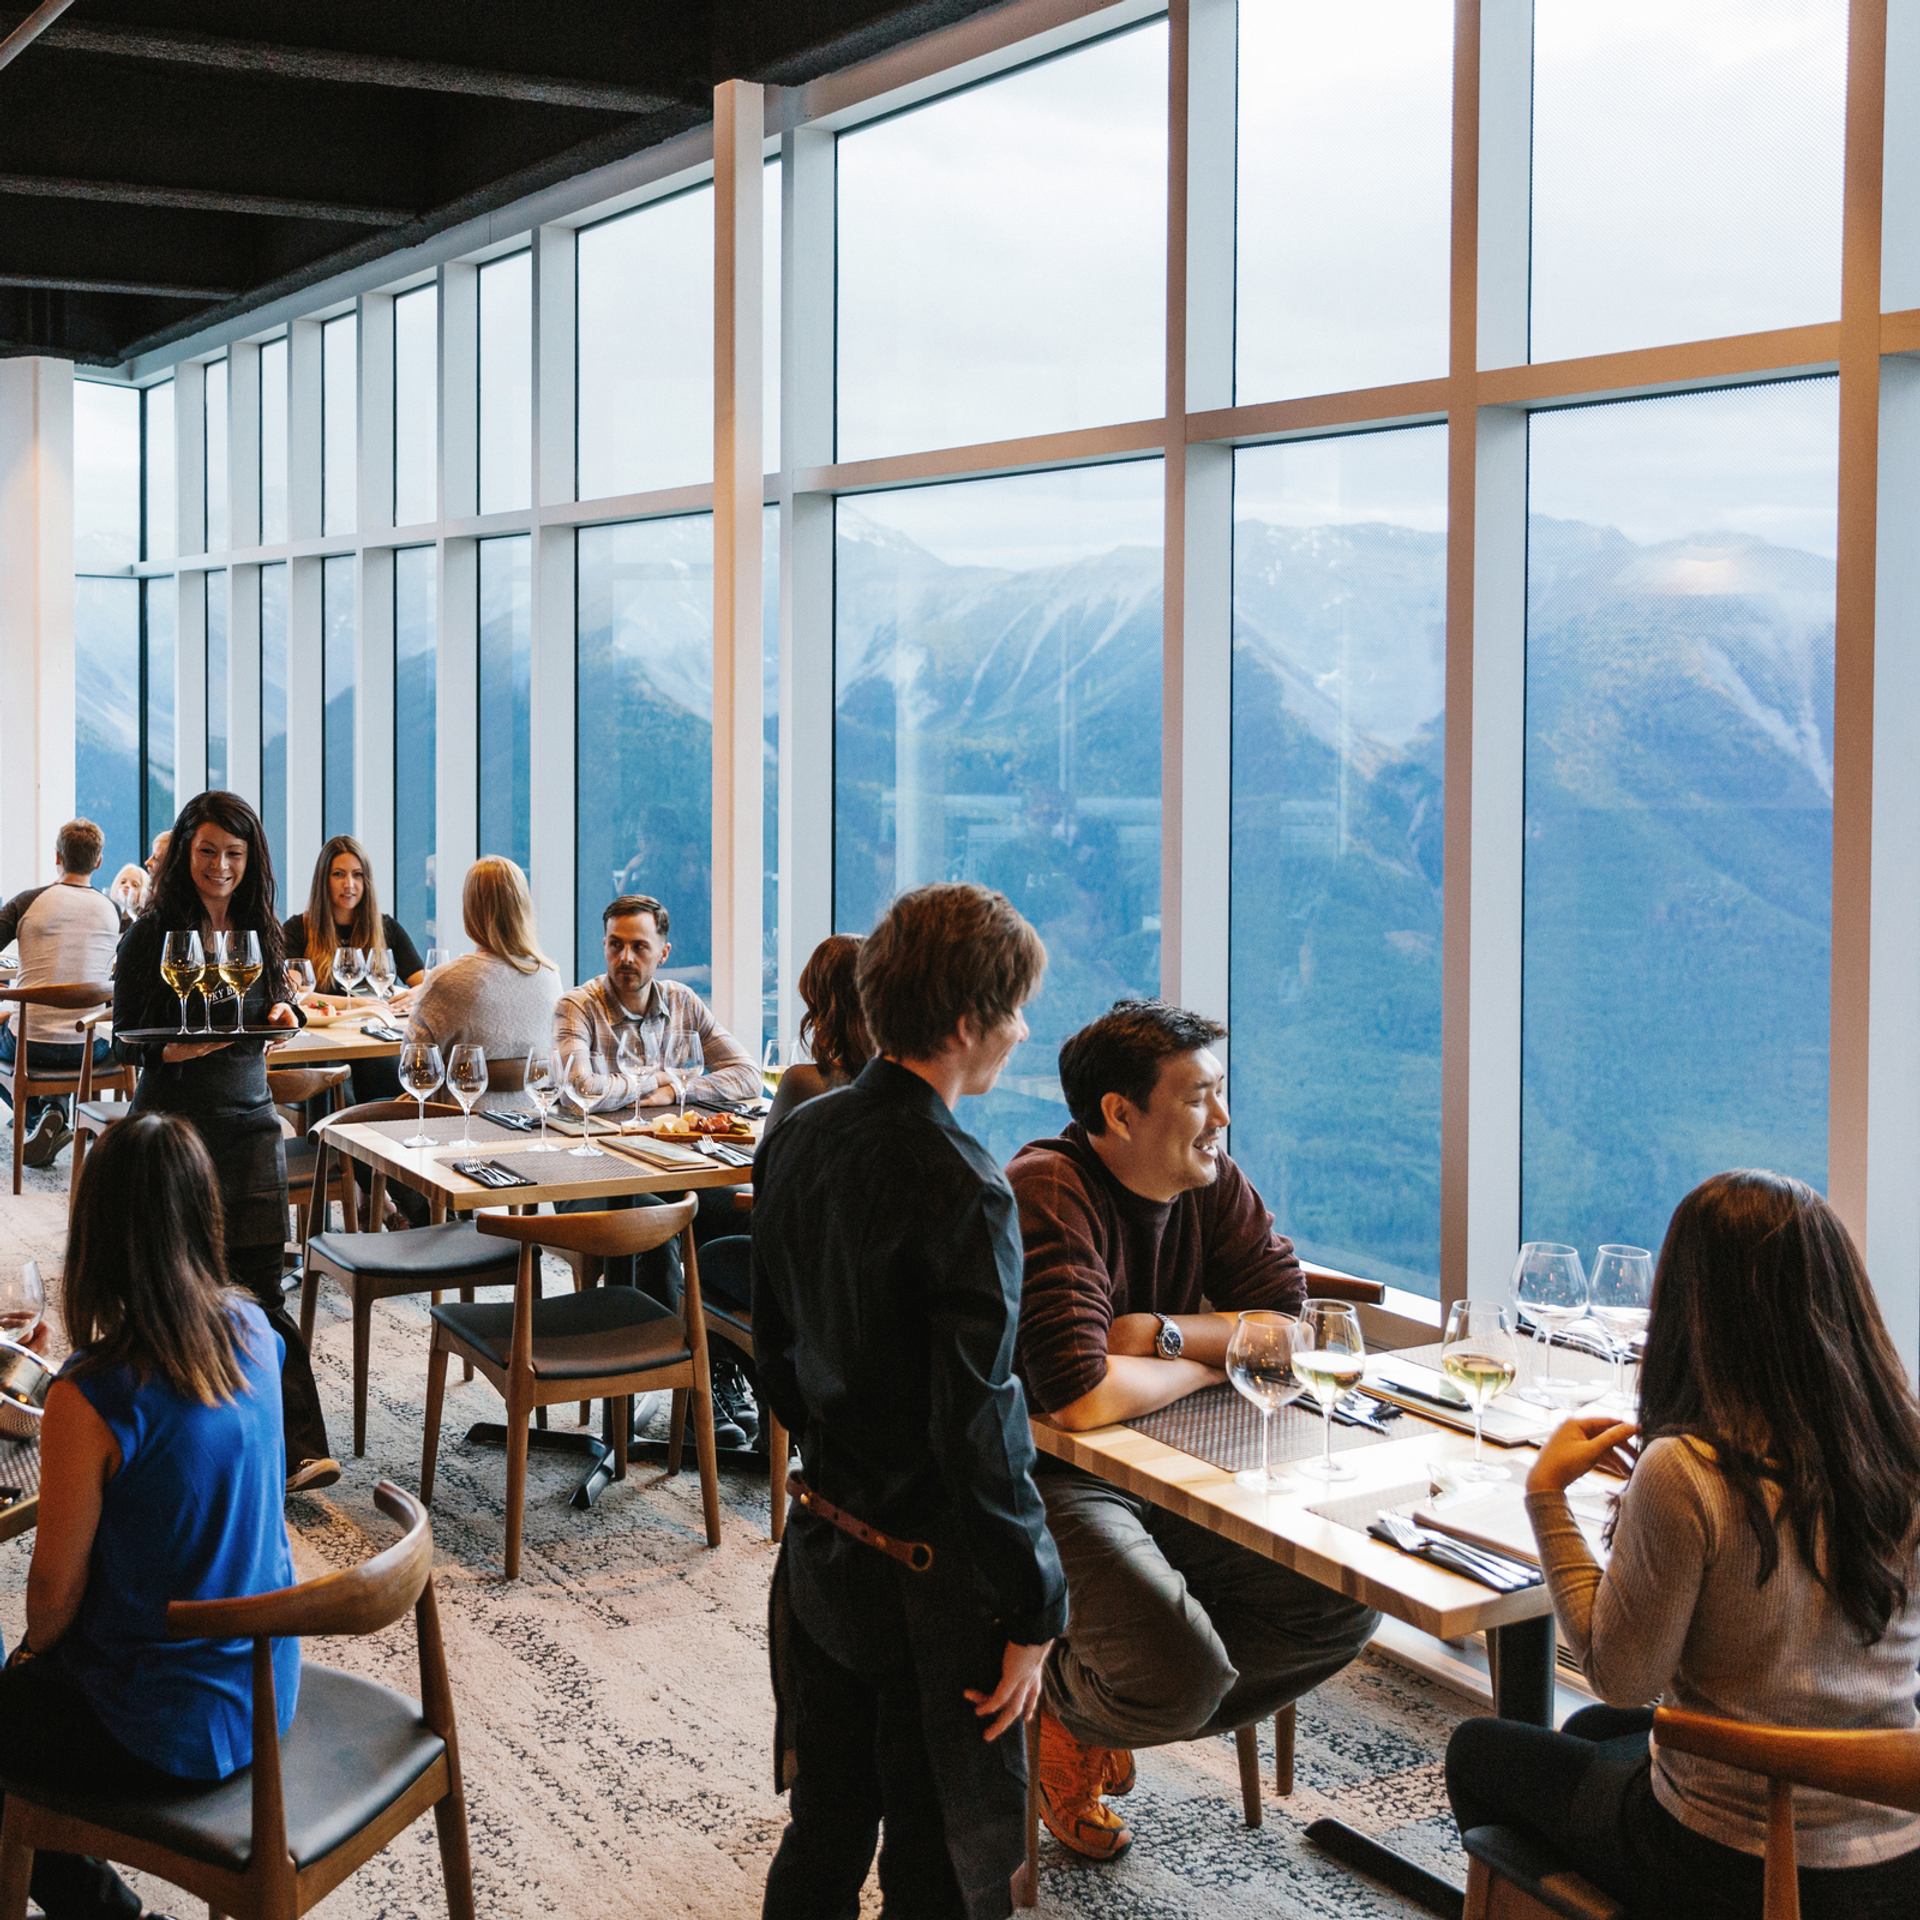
(421,1140)
(580,1150)
(1538,1396)
(1482,1472)
(1257,1481)
(1325,1469)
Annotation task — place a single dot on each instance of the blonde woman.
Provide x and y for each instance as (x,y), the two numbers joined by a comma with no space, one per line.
(501,996)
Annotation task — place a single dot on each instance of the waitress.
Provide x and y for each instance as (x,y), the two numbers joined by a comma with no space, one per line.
(217,877)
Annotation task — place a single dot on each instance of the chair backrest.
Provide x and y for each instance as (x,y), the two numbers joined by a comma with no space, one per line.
(66,996)
(353,1600)
(610,1235)
(372,1112)
(295,1086)
(506,1073)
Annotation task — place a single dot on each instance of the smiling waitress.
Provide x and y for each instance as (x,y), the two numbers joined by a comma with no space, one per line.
(218,877)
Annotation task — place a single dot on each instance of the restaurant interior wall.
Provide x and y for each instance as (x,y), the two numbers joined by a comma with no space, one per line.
(1373,522)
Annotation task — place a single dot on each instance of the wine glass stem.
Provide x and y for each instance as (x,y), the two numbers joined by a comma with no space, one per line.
(421,1098)
(1476,1434)
(183,1012)
(1266,1449)
(466,1128)
(543,1127)
(1326,1434)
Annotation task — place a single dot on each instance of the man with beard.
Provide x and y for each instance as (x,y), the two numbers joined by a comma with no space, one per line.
(1143,1240)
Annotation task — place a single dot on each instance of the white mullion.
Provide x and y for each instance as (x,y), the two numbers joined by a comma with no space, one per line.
(1485,740)
(551,590)
(459,443)
(190,612)
(304,377)
(805,831)
(739,482)
(243,444)
(1197,659)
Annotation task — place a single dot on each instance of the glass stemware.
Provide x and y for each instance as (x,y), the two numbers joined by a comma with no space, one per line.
(683,1062)
(1260,1365)
(467,1081)
(240,967)
(421,1074)
(349,969)
(542,1087)
(573,1088)
(1622,1292)
(630,1056)
(380,973)
(772,1065)
(181,962)
(1550,1288)
(23,1300)
(437,957)
(213,977)
(1329,1357)
(300,980)
(1479,1355)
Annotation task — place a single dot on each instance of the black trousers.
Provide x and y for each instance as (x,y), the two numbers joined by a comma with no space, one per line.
(863,1778)
(1587,1792)
(261,1271)
(43,1713)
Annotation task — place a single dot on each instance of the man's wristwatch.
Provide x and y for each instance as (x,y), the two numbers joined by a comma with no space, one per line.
(1167,1343)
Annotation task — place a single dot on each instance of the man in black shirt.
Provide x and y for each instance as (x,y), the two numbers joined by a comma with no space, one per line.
(886,1291)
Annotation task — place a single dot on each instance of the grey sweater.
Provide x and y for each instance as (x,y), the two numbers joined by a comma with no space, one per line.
(482,999)
(1679,1612)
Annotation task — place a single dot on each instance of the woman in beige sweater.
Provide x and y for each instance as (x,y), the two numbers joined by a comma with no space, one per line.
(1765,1566)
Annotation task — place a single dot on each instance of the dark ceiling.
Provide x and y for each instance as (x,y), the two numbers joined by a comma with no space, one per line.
(166,163)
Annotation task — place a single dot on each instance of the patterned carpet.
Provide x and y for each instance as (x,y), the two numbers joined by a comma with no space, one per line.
(614,1711)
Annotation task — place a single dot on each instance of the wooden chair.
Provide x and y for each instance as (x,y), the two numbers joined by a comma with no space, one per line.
(1323,1283)
(293,1090)
(23,1083)
(373,1265)
(92,1117)
(606,1342)
(1246,1743)
(360,1763)
(1511,1876)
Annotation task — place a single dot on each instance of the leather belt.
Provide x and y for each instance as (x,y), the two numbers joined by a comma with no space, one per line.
(915,1555)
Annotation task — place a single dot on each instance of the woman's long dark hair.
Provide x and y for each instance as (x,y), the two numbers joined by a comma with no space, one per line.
(146,1262)
(1766,1343)
(364,930)
(833,1027)
(175,901)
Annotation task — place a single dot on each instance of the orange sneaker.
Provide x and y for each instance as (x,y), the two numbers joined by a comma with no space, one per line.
(1072,1778)
(1120,1770)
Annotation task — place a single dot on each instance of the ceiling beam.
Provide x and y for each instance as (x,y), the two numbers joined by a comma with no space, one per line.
(62,283)
(30,29)
(201,200)
(349,69)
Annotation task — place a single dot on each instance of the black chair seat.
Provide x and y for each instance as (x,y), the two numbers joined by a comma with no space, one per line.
(576,1336)
(433,1256)
(1536,1870)
(301,1156)
(354,1748)
(96,1116)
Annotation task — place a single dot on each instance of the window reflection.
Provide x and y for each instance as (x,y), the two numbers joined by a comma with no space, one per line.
(506,383)
(415,742)
(506,665)
(340,673)
(273,714)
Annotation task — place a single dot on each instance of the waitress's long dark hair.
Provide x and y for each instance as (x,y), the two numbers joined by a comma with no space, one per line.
(175,901)
(1767,1344)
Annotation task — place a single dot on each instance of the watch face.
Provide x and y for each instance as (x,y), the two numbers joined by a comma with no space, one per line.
(1169,1343)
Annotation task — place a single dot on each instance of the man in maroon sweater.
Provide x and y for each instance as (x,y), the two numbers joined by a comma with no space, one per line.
(1143,1240)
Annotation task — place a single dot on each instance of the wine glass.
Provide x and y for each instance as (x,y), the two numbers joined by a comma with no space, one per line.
(1550,1287)
(23,1299)
(180,963)
(1622,1302)
(300,979)
(349,969)
(574,1087)
(467,1081)
(213,977)
(437,957)
(1479,1355)
(683,1062)
(1329,1357)
(1260,1365)
(772,1065)
(542,1087)
(420,1075)
(380,974)
(240,967)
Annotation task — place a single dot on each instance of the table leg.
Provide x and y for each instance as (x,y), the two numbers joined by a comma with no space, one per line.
(1521,1657)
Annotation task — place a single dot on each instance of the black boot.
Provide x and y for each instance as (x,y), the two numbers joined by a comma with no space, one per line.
(733,1401)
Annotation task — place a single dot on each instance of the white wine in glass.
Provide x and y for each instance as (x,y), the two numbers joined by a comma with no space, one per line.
(772,1065)
(181,960)
(1260,1365)
(1329,1356)
(240,967)
(1479,1355)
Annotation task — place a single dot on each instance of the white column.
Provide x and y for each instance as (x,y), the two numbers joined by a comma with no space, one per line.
(1485,753)
(805,847)
(36,615)
(551,674)
(739,480)
(243,442)
(303,430)
(1196,729)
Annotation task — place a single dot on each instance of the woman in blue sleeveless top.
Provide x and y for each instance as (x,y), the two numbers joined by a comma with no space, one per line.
(162,1478)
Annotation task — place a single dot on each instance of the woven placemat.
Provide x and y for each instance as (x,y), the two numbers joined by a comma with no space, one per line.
(1220,1426)
(19,1468)
(556,1168)
(440,1128)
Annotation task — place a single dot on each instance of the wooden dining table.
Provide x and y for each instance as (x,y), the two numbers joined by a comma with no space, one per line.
(381,1147)
(1340,1554)
(20,1477)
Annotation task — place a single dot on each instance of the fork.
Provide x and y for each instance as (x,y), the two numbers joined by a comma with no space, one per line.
(1505,1576)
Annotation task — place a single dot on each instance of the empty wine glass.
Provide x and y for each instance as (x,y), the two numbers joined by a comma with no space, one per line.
(630,1056)
(1550,1288)
(23,1299)
(437,957)
(1479,1355)
(467,1081)
(181,962)
(349,969)
(421,1074)
(1622,1292)
(575,1089)
(542,1087)
(1260,1365)
(1329,1357)
(300,980)
(380,974)
(683,1062)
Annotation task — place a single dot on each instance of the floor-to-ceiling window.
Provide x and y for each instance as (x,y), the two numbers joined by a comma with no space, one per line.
(506,383)
(416,743)
(339,675)
(340,424)
(504,762)
(274,672)
(416,382)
